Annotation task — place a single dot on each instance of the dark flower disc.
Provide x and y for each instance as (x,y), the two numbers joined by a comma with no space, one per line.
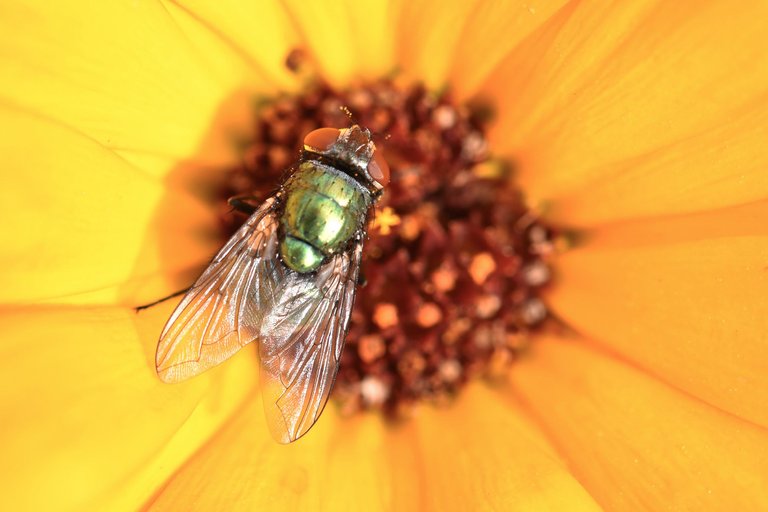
(454,260)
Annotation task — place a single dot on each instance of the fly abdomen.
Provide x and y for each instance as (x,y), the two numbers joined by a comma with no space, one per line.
(323,209)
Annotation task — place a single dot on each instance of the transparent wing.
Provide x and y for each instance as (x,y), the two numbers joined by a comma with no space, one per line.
(223,310)
(301,340)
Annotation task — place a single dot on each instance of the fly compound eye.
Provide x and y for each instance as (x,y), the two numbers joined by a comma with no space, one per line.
(378,168)
(321,139)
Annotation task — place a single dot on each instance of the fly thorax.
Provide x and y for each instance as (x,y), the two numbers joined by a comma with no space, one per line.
(323,209)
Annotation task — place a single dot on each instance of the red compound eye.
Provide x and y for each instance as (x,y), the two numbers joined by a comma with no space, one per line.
(321,139)
(378,168)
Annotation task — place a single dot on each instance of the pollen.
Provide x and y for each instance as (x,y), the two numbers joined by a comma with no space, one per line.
(385,221)
(371,347)
(429,315)
(482,266)
(385,315)
(454,263)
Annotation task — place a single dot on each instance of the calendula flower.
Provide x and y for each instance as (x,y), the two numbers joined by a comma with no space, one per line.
(635,131)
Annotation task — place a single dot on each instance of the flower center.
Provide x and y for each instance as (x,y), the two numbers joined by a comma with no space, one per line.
(454,260)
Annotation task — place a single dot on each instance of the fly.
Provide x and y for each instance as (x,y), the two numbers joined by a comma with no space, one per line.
(286,279)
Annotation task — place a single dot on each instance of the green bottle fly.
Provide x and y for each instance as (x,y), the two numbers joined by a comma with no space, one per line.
(287,280)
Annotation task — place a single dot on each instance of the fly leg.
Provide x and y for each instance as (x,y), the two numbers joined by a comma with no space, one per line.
(158,301)
(244,204)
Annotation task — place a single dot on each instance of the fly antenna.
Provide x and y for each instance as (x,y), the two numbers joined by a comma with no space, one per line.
(344,109)
(376,135)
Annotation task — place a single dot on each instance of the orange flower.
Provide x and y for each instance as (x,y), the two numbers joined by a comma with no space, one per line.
(640,124)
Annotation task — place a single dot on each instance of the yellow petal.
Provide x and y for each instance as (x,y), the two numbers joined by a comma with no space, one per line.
(346,39)
(600,86)
(258,34)
(86,422)
(483,454)
(129,77)
(436,462)
(81,224)
(490,32)
(336,466)
(637,444)
(685,298)
(427,34)
(722,166)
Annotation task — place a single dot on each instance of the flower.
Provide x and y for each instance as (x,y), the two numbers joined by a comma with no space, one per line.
(639,125)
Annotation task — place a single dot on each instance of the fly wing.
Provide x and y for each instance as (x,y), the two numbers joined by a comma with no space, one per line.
(301,340)
(222,311)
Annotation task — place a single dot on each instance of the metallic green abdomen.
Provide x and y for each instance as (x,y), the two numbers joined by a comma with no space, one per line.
(323,209)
